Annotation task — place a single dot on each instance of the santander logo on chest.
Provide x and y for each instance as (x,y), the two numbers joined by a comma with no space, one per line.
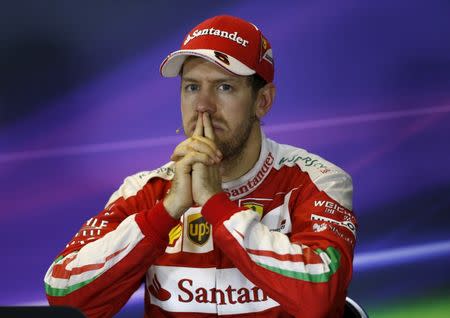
(207,290)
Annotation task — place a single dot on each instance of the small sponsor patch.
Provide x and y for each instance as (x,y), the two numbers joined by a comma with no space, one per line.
(175,234)
(347,224)
(198,229)
(222,57)
(157,291)
(319,227)
(257,207)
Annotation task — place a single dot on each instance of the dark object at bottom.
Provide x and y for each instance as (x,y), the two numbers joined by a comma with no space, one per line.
(40,312)
(353,310)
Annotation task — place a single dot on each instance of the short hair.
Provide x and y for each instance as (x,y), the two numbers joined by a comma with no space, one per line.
(256,82)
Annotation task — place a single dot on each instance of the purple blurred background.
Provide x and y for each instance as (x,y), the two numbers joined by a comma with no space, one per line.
(365,84)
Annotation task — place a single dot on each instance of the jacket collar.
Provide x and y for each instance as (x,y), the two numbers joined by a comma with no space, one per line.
(247,183)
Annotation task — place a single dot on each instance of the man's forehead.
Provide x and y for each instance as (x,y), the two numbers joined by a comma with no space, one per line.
(196,68)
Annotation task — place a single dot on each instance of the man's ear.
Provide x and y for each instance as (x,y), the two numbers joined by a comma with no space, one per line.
(264,100)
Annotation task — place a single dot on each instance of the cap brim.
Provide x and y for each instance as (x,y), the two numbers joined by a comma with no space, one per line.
(172,64)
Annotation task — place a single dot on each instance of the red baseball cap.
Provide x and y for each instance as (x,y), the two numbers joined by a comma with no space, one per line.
(230,42)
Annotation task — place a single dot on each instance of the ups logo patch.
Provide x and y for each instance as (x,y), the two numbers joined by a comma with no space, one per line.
(198,229)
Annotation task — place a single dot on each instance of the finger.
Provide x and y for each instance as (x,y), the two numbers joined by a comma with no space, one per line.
(178,154)
(194,157)
(200,148)
(180,150)
(199,126)
(196,144)
(207,148)
(210,143)
(206,140)
(209,131)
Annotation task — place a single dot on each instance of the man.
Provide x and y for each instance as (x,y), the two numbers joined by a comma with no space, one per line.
(235,224)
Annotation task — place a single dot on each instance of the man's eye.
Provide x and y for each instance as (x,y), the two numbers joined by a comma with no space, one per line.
(225,87)
(191,88)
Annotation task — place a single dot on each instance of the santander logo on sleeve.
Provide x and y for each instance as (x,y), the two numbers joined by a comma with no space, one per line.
(206,290)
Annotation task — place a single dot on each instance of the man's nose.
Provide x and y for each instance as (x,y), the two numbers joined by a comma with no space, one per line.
(206,102)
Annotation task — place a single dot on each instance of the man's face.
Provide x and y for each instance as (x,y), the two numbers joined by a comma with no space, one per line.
(228,98)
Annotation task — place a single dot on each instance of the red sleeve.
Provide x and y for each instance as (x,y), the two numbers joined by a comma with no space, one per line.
(107,259)
(308,270)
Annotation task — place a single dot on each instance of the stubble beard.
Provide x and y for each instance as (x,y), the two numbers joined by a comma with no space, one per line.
(233,147)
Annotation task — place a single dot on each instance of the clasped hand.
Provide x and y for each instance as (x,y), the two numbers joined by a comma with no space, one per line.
(197,175)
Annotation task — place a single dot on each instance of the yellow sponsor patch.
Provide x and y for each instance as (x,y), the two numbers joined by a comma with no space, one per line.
(175,234)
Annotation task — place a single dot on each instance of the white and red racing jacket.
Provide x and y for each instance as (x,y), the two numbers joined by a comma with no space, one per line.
(278,242)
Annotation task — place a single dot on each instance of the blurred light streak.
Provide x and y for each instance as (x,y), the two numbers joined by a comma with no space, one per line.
(92,148)
(392,143)
(356,119)
(161,141)
(401,255)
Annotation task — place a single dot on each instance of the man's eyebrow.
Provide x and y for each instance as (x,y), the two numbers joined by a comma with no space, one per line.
(188,79)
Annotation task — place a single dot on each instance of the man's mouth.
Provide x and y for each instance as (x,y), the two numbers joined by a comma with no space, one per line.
(218,126)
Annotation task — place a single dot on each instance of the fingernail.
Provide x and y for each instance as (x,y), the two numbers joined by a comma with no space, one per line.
(219,154)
